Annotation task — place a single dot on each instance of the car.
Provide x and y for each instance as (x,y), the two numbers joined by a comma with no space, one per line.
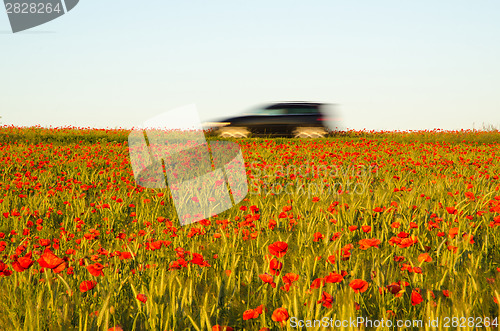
(292,119)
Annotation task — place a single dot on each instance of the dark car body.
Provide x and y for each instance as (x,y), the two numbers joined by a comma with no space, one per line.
(284,119)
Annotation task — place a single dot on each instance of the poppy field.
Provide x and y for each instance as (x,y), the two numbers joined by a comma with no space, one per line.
(387,225)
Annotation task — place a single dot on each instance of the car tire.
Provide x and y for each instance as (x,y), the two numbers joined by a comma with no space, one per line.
(234,132)
(309,132)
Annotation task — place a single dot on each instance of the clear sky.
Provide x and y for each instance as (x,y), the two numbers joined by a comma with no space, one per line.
(387,64)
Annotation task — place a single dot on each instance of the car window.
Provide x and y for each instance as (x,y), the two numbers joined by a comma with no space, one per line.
(302,110)
(260,111)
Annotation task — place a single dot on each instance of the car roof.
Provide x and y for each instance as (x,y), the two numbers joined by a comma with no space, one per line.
(294,104)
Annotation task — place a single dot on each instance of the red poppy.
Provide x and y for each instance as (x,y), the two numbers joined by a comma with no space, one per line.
(359,285)
(221,328)
(4,272)
(451,210)
(50,261)
(278,249)
(23,263)
(424,257)
(394,288)
(96,269)
(453,232)
(250,314)
(87,285)
(142,297)
(268,279)
(334,277)
(335,236)
(125,255)
(407,242)
(366,228)
(367,243)
(199,260)
(317,283)
(253,313)
(275,267)
(318,236)
(280,315)
(326,300)
(416,298)
(290,278)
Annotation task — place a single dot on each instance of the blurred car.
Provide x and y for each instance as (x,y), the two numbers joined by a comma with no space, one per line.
(293,119)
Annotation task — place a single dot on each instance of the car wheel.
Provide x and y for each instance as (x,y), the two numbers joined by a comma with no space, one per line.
(234,132)
(309,132)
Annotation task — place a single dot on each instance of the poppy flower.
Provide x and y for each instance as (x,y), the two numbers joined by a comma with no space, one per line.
(253,313)
(334,277)
(453,232)
(199,260)
(416,298)
(367,243)
(142,297)
(278,248)
(317,283)
(268,279)
(23,263)
(335,236)
(275,267)
(50,261)
(222,328)
(290,278)
(326,300)
(318,236)
(424,257)
(394,288)
(451,210)
(359,285)
(4,272)
(87,285)
(125,255)
(272,224)
(407,242)
(96,269)
(250,314)
(280,315)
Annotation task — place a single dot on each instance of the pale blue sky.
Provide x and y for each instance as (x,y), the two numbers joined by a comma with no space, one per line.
(386,64)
